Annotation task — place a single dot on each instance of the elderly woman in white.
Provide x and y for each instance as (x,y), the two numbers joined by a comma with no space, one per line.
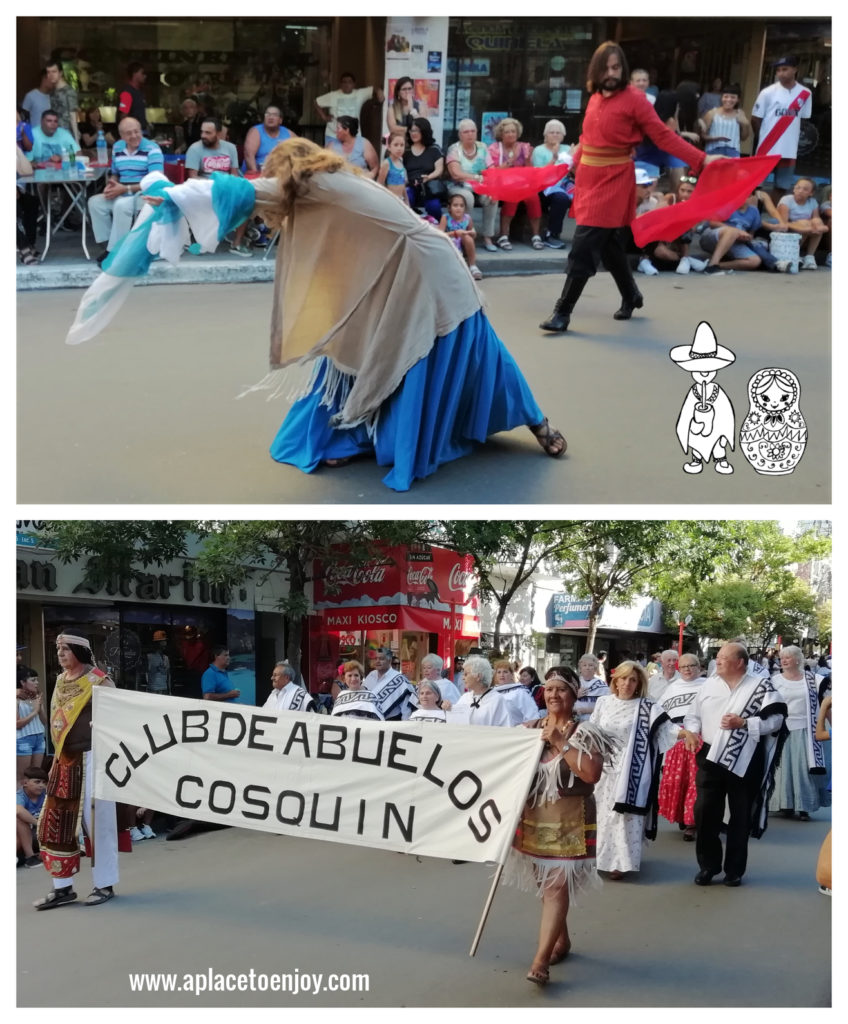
(466,160)
(801,777)
(429,703)
(481,702)
(592,686)
(431,669)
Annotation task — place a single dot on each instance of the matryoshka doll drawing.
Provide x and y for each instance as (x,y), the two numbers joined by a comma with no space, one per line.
(774,434)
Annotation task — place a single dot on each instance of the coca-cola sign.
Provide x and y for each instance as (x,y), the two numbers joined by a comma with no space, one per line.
(419,576)
(459,578)
(354,576)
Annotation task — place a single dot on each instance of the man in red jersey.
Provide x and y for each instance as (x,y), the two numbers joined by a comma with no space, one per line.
(617,117)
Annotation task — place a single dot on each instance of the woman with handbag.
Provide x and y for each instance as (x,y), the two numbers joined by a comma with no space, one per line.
(424,165)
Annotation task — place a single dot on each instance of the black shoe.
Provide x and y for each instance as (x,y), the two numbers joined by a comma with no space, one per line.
(57,898)
(636,301)
(705,877)
(732,881)
(561,316)
(558,320)
(32,861)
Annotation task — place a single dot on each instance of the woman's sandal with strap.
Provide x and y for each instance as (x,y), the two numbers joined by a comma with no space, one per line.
(504,243)
(548,439)
(538,976)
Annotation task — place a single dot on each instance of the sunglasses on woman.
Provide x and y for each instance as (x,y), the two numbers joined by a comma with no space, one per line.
(689,181)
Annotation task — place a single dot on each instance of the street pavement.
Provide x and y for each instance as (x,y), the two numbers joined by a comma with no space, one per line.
(237,900)
(146,412)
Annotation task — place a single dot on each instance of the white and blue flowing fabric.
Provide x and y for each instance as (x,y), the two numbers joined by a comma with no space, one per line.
(211,207)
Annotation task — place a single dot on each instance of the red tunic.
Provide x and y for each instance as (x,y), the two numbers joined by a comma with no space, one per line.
(605,197)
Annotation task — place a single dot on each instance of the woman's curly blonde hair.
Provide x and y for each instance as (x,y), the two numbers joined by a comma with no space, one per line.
(292,163)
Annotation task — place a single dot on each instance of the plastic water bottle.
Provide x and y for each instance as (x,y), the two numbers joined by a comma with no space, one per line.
(102,152)
(67,157)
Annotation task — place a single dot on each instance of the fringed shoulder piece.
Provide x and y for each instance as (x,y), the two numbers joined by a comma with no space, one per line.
(590,739)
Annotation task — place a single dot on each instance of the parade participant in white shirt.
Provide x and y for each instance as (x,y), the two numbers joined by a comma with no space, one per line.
(520,705)
(592,686)
(481,701)
(429,703)
(287,695)
(667,674)
(392,688)
(741,719)
(353,700)
(431,669)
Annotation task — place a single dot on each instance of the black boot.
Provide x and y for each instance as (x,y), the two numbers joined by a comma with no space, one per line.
(635,301)
(561,316)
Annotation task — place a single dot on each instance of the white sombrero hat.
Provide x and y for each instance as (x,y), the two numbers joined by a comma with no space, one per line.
(704,353)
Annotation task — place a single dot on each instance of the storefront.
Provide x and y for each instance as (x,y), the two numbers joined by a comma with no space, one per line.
(630,632)
(416,600)
(152,631)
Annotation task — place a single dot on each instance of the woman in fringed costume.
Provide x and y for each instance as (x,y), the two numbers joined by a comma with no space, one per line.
(677,787)
(376,303)
(800,782)
(69,787)
(554,846)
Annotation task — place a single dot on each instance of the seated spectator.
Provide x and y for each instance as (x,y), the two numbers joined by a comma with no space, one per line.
(507,151)
(673,255)
(192,123)
(646,200)
(466,160)
(826,214)
(392,172)
(49,141)
(734,238)
(28,207)
(92,124)
(356,149)
(725,127)
(113,210)
(424,165)
(799,212)
(262,138)
(23,131)
(28,804)
(141,829)
(769,217)
(460,229)
(557,199)
(211,154)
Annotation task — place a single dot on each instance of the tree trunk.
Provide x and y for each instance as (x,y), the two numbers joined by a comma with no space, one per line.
(502,606)
(594,609)
(294,621)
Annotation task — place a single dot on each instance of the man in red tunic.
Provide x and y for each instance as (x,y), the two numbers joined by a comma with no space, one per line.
(617,117)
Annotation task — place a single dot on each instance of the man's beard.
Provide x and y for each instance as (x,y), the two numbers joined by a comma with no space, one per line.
(612,84)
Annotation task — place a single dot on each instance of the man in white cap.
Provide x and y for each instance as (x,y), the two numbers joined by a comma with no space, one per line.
(706,425)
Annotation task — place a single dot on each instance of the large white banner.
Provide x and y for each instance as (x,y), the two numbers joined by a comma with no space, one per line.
(437,790)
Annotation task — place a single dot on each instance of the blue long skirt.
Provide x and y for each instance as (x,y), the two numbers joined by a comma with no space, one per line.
(795,789)
(466,388)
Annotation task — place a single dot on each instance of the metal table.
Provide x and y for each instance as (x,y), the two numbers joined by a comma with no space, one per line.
(76,187)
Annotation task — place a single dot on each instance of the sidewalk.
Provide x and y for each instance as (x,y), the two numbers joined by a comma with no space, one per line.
(67,267)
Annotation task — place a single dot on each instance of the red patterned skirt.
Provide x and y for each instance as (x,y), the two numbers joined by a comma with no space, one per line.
(677,786)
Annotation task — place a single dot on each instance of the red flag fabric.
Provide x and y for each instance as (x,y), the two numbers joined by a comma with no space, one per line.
(515,184)
(723,187)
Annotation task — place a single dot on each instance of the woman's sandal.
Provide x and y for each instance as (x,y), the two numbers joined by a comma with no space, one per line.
(98,896)
(549,439)
(538,977)
(536,242)
(559,952)
(28,256)
(504,243)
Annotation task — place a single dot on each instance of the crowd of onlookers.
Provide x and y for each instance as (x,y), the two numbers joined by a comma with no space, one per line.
(781,231)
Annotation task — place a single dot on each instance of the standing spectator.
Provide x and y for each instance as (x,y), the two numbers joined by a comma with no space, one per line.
(262,138)
(710,97)
(739,716)
(777,120)
(30,722)
(194,650)
(192,123)
(457,224)
(346,100)
(404,107)
(159,664)
(131,102)
(215,682)
(507,151)
(64,99)
(49,141)
(466,160)
(28,804)
(640,79)
(725,127)
(557,198)
(799,213)
(37,101)
(113,210)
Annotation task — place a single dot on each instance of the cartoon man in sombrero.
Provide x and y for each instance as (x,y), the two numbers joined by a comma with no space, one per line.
(706,425)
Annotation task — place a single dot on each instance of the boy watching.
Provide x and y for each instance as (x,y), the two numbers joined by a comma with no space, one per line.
(28,804)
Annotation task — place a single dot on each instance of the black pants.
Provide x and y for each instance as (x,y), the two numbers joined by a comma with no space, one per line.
(556,207)
(590,246)
(715,785)
(28,208)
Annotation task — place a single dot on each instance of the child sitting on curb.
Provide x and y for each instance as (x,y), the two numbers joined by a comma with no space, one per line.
(457,224)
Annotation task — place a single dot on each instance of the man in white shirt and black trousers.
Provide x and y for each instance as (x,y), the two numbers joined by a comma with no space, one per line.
(742,720)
